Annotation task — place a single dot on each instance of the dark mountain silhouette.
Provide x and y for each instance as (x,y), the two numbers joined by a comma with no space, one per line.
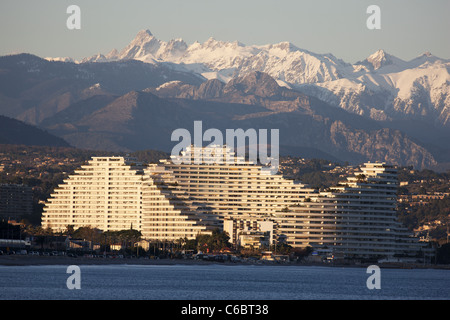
(13,131)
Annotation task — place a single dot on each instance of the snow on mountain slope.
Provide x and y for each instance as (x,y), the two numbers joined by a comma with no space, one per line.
(383,62)
(381,86)
(285,62)
(224,60)
(424,91)
(60,59)
(416,91)
(217,55)
(145,47)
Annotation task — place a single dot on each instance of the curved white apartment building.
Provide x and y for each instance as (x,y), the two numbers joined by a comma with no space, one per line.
(116,193)
(182,197)
(228,185)
(357,218)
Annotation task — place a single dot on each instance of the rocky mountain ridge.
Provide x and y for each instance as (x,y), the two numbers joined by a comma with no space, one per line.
(134,98)
(381,87)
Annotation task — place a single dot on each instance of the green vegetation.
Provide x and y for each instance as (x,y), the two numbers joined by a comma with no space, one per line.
(435,210)
(317,173)
(215,242)
(418,212)
(424,181)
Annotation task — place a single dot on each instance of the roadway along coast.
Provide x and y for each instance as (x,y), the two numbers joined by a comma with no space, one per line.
(30,260)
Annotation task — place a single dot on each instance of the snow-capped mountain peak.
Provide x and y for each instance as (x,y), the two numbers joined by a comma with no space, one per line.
(381,86)
(144,33)
(285,46)
(148,48)
(222,60)
(384,87)
(112,55)
(142,37)
(426,57)
(381,61)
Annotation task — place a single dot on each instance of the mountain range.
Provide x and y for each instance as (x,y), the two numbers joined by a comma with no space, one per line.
(379,109)
(382,86)
(13,131)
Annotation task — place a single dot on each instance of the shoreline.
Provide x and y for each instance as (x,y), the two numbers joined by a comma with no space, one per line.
(26,260)
(18,260)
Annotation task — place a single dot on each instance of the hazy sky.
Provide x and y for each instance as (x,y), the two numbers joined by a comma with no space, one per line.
(408,27)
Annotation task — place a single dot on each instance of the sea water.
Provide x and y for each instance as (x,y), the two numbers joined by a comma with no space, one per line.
(220,282)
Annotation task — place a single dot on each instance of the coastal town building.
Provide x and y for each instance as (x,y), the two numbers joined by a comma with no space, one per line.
(230,186)
(182,197)
(357,218)
(116,193)
(16,200)
(250,233)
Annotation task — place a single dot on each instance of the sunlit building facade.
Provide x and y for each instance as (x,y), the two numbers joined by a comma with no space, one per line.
(358,218)
(183,196)
(230,186)
(118,193)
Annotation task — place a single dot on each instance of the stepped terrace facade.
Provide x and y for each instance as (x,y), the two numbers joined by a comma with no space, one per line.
(358,218)
(229,186)
(181,198)
(118,193)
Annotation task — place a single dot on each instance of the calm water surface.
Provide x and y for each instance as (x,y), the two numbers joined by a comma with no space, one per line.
(220,282)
